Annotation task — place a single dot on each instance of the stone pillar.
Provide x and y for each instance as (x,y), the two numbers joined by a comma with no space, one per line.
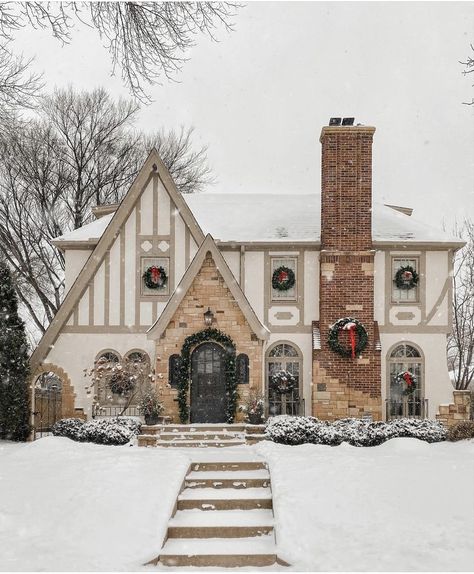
(456,412)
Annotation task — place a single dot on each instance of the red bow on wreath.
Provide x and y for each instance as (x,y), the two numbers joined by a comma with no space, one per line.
(407,378)
(351,327)
(282,276)
(155,274)
(407,276)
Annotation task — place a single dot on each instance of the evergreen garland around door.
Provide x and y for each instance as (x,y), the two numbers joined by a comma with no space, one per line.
(208,335)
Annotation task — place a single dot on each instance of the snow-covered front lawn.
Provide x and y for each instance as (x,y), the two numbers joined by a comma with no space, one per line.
(404,505)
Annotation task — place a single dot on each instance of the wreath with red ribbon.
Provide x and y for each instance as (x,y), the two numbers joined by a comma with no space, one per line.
(155,277)
(282,382)
(358,337)
(283,278)
(406,278)
(410,381)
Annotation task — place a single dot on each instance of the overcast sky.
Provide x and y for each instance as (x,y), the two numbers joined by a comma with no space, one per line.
(259,97)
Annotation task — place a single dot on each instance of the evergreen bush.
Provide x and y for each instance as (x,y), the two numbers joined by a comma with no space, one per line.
(14,364)
(294,430)
(115,431)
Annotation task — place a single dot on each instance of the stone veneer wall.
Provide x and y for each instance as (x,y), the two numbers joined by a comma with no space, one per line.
(342,386)
(207,290)
(456,412)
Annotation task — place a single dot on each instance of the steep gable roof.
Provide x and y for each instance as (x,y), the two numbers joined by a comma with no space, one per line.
(208,245)
(153,165)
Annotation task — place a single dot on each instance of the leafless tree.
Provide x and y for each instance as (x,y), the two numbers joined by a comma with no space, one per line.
(19,88)
(461,340)
(79,151)
(469,69)
(148,41)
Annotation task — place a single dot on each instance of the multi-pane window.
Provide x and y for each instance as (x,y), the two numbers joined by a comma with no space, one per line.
(134,366)
(155,275)
(402,295)
(285,294)
(405,358)
(284,357)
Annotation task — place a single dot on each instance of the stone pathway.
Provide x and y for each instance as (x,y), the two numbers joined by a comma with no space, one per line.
(223,516)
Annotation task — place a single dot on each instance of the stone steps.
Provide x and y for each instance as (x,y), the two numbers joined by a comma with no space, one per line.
(197,443)
(200,436)
(223,518)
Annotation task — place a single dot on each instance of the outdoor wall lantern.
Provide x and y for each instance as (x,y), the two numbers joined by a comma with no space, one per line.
(208,317)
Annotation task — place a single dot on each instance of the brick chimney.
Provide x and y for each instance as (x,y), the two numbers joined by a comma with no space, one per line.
(346,187)
(343,386)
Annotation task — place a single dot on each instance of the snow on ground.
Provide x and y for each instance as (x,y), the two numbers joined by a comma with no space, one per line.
(73,506)
(404,505)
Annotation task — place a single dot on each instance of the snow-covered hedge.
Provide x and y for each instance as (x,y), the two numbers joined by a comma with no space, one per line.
(116,431)
(292,430)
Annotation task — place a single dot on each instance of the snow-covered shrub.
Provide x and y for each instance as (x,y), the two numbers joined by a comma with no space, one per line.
(357,432)
(287,429)
(104,431)
(116,431)
(69,428)
(461,431)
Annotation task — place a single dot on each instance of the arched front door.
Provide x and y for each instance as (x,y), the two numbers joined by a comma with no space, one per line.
(208,398)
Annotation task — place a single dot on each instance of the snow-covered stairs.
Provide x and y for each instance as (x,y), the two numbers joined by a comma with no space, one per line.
(200,435)
(223,517)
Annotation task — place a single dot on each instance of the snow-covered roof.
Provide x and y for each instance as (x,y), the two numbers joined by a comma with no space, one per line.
(87,232)
(284,218)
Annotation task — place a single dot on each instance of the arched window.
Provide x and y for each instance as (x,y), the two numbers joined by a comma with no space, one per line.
(134,366)
(285,357)
(242,369)
(105,364)
(405,400)
(174,364)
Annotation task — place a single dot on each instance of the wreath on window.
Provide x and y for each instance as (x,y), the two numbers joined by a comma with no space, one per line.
(282,382)
(283,278)
(155,277)
(406,277)
(122,383)
(358,337)
(410,381)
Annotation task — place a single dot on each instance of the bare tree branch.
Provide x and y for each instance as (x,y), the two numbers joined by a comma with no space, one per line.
(469,69)
(147,41)
(461,340)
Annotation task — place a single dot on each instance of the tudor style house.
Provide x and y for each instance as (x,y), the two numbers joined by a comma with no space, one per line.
(219,291)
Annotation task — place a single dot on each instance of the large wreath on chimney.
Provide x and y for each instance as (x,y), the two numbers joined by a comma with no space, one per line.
(283,278)
(356,333)
(406,277)
(155,277)
(408,379)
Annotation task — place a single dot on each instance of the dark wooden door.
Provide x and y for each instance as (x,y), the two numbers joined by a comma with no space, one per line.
(208,398)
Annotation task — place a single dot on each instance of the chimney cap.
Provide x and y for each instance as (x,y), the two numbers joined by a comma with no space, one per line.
(341,121)
(340,130)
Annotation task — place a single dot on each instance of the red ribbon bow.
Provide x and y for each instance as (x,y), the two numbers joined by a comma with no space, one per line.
(407,378)
(352,338)
(155,274)
(282,276)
